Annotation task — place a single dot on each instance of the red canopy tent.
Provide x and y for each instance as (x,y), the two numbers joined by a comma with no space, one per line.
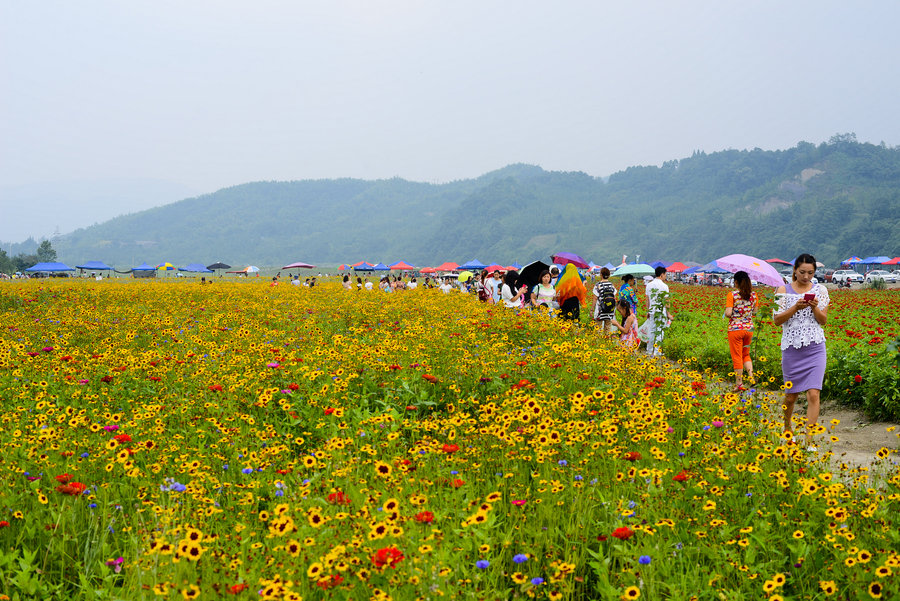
(402,266)
(894,261)
(428,270)
(495,267)
(448,266)
(676,267)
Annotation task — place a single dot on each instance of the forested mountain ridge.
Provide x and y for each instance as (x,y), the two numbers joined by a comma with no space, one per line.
(833,199)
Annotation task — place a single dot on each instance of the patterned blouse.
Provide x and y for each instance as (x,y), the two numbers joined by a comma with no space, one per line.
(741,311)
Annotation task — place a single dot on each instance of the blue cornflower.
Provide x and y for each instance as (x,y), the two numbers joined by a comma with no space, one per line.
(644,560)
(482,564)
(520,558)
(537,580)
(247,470)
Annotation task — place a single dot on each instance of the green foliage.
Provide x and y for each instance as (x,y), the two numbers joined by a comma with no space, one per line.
(45,252)
(833,199)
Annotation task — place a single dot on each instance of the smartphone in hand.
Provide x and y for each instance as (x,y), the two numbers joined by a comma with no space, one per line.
(809,296)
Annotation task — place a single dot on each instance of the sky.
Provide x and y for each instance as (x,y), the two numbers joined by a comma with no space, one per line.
(169,99)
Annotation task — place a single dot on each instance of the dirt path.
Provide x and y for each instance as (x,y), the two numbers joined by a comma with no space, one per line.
(859,439)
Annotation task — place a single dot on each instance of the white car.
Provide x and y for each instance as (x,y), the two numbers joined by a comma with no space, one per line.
(887,276)
(842,276)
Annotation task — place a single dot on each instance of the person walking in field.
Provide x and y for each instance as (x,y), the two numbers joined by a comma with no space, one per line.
(657,303)
(605,299)
(802,311)
(740,306)
(628,292)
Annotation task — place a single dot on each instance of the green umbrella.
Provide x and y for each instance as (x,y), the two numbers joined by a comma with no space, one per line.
(636,269)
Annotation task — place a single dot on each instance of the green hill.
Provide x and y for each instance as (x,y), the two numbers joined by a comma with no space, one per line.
(833,199)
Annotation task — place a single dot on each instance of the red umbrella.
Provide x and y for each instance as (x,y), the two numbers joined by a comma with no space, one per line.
(782,261)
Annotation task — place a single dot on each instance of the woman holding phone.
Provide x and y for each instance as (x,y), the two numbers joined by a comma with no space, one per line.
(802,311)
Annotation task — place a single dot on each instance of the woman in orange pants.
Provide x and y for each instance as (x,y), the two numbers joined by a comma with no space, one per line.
(740,306)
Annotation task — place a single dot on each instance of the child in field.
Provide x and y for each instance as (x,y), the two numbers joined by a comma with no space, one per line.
(628,328)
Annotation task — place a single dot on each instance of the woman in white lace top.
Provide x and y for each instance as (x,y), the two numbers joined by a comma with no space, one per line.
(802,311)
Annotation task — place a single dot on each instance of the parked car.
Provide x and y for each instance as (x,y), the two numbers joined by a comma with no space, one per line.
(887,276)
(827,275)
(844,276)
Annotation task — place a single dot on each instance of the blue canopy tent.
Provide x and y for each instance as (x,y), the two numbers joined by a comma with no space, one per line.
(49,267)
(656,264)
(195,268)
(143,271)
(362,267)
(875,260)
(380,267)
(610,266)
(712,267)
(94,266)
(691,270)
(516,266)
(473,264)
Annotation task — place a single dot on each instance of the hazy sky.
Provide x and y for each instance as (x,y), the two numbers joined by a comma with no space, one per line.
(206,94)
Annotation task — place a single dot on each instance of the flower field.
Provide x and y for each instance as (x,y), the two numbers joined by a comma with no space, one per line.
(167,440)
(862,367)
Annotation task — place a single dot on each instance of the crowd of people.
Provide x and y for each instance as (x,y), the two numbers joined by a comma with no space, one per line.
(802,310)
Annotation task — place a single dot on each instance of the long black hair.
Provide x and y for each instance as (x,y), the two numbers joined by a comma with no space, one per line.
(625,306)
(510,280)
(804,259)
(742,281)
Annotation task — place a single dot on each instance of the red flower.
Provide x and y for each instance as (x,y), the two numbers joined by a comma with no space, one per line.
(457,483)
(327,583)
(338,498)
(329,410)
(450,448)
(73,488)
(425,517)
(623,533)
(3,523)
(106,379)
(681,476)
(857,379)
(123,438)
(217,388)
(430,378)
(63,478)
(237,588)
(632,456)
(293,386)
(388,556)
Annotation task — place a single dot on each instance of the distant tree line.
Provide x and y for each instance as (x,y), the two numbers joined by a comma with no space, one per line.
(19,263)
(833,199)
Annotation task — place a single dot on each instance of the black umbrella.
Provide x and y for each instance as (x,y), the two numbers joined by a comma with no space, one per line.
(218,266)
(531,274)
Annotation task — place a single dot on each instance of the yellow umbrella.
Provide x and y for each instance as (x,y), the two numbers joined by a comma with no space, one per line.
(465,276)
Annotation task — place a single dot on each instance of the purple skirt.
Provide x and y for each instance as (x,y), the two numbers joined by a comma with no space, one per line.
(804,367)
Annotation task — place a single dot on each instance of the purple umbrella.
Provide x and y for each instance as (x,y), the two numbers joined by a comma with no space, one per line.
(757,269)
(299,266)
(565,258)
